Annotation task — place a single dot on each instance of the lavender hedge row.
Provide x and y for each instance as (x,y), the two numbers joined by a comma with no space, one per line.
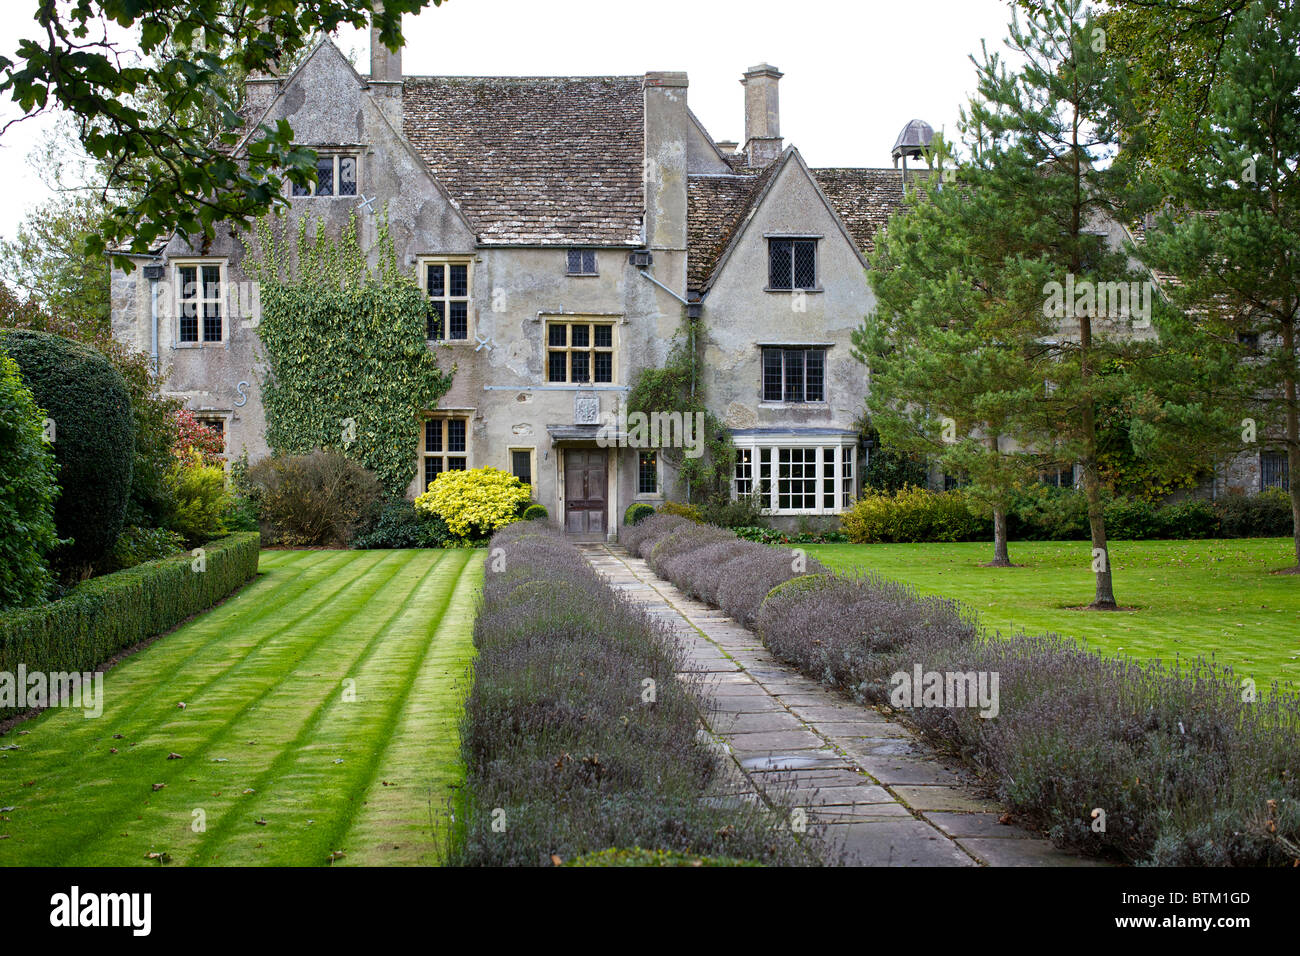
(566,752)
(1188,764)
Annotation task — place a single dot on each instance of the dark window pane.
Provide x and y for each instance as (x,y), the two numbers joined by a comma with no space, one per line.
(432,468)
(604,336)
(556,335)
(347,176)
(603,366)
(805,264)
(815,375)
(581,336)
(434,282)
(581,371)
(458,324)
(456,434)
(211,322)
(300,190)
(778,263)
(189,281)
(434,321)
(575,260)
(772,375)
(647,473)
(1273,468)
(458,280)
(589,261)
(794,375)
(325,176)
(211,282)
(556,367)
(455,464)
(433,435)
(521,463)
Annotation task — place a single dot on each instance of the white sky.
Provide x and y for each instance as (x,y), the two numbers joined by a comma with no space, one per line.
(855,72)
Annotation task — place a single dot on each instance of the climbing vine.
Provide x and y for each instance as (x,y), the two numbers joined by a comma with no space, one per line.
(679,386)
(348,367)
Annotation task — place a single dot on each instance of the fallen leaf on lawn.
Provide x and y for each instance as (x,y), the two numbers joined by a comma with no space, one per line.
(260,823)
(336,855)
(181,705)
(117,736)
(158,786)
(250,790)
(174,757)
(7,809)
(112,750)
(221,760)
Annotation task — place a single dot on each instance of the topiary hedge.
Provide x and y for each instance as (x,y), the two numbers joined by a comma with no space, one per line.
(94,439)
(27,492)
(638,512)
(110,613)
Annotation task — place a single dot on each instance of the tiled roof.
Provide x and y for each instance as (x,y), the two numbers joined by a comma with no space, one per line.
(864,199)
(717,206)
(535,160)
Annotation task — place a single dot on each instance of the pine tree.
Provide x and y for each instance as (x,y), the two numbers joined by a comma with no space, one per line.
(951,346)
(1233,233)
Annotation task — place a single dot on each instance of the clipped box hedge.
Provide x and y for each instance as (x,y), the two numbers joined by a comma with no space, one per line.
(107,614)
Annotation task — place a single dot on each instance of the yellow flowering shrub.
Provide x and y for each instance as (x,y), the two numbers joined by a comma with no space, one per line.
(477,502)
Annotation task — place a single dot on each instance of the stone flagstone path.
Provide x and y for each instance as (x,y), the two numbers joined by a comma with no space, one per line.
(885,798)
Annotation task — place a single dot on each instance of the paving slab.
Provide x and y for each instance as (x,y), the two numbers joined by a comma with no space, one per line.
(881,795)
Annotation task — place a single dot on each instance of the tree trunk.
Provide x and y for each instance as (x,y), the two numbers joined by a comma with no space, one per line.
(1105,597)
(1001,559)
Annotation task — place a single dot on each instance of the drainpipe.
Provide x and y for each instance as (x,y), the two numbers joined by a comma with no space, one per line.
(153,274)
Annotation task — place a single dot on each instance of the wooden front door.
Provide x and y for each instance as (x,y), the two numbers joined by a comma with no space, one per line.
(585,490)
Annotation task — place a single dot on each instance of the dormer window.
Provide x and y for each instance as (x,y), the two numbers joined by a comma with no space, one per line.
(336,175)
(791,264)
(582,262)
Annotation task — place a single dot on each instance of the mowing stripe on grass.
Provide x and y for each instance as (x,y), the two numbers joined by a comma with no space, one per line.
(262,680)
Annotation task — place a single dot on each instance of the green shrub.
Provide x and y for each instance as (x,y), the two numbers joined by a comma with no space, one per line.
(476,502)
(1131,519)
(1049,514)
(136,545)
(914,515)
(745,511)
(27,493)
(94,440)
(638,512)
(1265,515)
(110,613)
(536,512)
(401,526)
(318,500)
(1188,519)
(202,499)
(689,512)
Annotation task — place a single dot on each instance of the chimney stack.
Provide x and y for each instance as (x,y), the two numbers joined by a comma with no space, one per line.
(763,141)
(385,64)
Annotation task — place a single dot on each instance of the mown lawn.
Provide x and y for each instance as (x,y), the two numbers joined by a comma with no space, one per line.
(277,765)
(1189,597)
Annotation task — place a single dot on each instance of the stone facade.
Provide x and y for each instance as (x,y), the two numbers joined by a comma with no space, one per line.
(595,202)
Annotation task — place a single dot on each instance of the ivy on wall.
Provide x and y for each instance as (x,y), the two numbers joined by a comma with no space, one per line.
(679,386)
(348,364)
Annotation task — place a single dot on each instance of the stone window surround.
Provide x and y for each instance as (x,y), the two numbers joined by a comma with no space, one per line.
(569,320)
(816,239)
(336,154)
(658,493)
(422,264)
(825,400)
(532,462)
(444,414)
(175,265)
